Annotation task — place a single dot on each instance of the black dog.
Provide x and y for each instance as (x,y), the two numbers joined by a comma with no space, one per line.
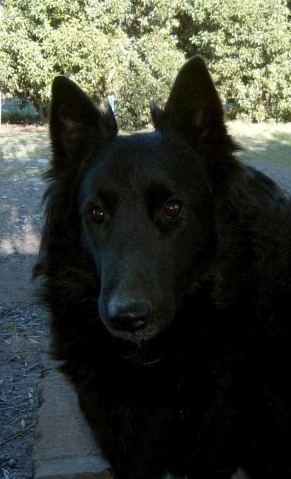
(166,268)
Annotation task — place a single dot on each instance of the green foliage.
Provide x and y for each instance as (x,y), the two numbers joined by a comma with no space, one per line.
(17,117)
(149,77)
(133,49)
(247,45)
(92,42)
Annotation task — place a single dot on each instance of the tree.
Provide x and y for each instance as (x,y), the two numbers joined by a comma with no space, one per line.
(247,46)
(43,38)
(133,49)
(92,42)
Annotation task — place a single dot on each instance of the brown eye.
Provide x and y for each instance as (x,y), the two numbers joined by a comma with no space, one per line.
(97,215)
(171,209)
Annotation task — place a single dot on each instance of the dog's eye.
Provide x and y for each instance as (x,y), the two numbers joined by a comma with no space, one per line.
(97,215)
(171,209)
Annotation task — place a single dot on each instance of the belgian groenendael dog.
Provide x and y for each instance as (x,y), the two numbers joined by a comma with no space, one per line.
(167,269)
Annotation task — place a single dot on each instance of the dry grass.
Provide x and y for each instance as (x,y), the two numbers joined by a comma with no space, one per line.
(269,143)
(261,141)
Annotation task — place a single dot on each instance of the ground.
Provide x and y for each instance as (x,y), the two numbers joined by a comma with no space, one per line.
(23,326)
(24,331)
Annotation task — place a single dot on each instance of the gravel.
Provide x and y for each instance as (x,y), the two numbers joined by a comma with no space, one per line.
(24,332)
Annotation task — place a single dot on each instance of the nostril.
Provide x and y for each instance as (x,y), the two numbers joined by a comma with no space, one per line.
(129,315)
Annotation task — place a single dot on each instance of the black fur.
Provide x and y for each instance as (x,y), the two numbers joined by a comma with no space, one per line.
(166,268)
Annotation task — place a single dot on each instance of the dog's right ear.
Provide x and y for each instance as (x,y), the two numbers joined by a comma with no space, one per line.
(76,124)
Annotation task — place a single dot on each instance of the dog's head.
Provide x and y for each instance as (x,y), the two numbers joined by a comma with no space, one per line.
(138,210)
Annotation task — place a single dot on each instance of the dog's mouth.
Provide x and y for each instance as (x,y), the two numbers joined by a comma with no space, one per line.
(136,331)
(148,354)
(145,347)
(142,354)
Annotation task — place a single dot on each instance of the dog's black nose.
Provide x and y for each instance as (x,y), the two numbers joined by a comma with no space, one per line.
(129,315)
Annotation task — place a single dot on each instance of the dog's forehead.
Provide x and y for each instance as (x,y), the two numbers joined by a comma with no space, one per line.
(138,150)
(132,159)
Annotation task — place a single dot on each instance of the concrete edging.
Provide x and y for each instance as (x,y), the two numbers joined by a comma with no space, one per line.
(64,445)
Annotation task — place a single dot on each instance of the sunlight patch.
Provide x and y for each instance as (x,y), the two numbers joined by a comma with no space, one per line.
(27,244)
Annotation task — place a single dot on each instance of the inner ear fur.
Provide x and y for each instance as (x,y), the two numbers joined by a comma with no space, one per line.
(194,108)
(76,122)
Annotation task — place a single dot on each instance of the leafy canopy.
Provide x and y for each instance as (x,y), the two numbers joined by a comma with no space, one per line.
(133,49)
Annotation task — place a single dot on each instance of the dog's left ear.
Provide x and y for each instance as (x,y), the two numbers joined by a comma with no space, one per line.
(194,108)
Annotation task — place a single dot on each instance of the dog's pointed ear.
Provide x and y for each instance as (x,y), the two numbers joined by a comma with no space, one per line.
(76,124)
(194,108)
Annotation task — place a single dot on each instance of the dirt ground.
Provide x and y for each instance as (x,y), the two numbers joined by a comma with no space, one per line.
(23,325)
(24,331)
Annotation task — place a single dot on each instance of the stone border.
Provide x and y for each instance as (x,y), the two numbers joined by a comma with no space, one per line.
(64,445)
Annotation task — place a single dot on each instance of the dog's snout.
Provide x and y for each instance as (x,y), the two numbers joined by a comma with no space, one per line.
(129,315)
